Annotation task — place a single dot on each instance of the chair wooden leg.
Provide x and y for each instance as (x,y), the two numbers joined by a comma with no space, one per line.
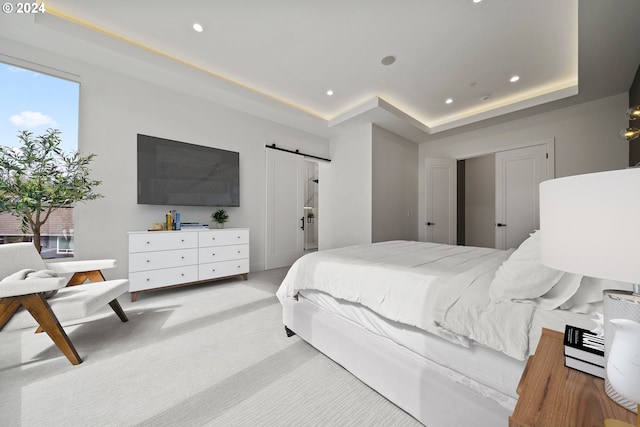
(80,277)
(41,311)
(115,305)
(8,307)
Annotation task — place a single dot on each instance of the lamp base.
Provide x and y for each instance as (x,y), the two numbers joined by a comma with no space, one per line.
(618,304)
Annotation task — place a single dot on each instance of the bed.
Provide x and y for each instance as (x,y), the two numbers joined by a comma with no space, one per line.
(441,331)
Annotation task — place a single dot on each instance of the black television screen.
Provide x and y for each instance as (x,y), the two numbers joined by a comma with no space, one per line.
(180,174)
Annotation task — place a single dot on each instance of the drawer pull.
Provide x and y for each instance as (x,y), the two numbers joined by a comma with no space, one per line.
(182,274)
(181,257)
(213,254)
(238,237)
(182,240)
(238,251)
(148,243)
(213,269)
(148,260)
(213,238)
(147,279)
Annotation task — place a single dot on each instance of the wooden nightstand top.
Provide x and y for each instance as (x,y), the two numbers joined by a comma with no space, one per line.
(552,395)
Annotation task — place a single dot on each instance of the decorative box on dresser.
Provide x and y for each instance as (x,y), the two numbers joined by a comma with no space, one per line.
(552,395)
(164,259)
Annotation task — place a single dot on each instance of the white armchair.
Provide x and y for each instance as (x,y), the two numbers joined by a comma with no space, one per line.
(73,300)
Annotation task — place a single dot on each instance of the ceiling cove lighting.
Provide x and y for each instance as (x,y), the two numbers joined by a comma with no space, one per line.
(448,101)
(198,27)
(514,79)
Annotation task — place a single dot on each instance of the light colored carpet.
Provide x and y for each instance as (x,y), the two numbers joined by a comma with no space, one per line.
(205,355)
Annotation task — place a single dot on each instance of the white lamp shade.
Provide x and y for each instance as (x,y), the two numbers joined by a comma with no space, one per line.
(590,224)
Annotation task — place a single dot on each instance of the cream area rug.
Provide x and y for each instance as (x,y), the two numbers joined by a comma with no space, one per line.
(213,354)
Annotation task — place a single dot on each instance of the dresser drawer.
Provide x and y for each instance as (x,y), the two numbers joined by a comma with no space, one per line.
(223,237)
(222,269)
(142,261)
(160,241)
(222,253)
(152,279)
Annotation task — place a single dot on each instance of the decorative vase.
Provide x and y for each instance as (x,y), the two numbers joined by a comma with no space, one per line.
(618,304)
(623,371)
(219,224)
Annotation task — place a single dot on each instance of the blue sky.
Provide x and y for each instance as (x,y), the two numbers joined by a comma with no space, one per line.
(35,102)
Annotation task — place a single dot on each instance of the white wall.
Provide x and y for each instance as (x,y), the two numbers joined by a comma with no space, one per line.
(586,140)
(114,108)
(345,190)
(394,186)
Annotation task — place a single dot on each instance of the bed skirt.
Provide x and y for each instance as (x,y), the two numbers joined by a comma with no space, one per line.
(410,381)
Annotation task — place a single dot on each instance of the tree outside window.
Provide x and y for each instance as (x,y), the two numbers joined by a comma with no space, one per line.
(34,102)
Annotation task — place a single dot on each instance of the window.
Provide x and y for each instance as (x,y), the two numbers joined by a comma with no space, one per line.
(35,102)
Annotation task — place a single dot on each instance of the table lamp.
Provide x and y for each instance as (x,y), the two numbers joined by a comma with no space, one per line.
(590,225)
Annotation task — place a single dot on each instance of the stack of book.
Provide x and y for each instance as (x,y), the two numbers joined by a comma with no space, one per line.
(584,351)
(192,225)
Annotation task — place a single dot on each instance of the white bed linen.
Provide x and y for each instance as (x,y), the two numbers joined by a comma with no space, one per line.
(440,289)
(436,396)
(495,374)
(380,276)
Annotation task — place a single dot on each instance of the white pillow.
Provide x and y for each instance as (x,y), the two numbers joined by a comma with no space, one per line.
(591,291)
(559,294)
(522,276)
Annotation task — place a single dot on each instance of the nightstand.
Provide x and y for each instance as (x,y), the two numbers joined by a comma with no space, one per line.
(552,395)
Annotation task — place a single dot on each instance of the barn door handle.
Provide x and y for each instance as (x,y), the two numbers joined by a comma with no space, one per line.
(501,225)
(302,226)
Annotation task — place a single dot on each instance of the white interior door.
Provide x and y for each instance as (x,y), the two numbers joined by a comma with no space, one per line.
(519,173)
(285,208)
(440,199)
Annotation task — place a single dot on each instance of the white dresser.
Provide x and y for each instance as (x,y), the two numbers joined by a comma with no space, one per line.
(163,259)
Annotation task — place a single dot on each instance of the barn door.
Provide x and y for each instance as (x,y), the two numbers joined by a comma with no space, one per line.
(285,208)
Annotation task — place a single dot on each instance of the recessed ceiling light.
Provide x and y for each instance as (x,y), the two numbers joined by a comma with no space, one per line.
(448,101)
(514,79)
(329,92)
(388,60)
(198,27)
(477,1)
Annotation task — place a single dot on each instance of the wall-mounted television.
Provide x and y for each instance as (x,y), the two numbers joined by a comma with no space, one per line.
(181,174)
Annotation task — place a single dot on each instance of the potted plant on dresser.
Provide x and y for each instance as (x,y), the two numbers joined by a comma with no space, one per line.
(220,217)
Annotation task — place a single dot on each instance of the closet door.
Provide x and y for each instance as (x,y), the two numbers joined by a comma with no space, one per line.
(440,200)
(519,173)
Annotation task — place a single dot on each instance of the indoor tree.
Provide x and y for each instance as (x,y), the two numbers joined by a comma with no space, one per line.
(38,177)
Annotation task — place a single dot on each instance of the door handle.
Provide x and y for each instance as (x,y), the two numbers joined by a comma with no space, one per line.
(501,225)
(431,223)
(302,226)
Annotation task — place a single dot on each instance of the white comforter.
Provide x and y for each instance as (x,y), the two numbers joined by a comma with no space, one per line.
(441,289)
